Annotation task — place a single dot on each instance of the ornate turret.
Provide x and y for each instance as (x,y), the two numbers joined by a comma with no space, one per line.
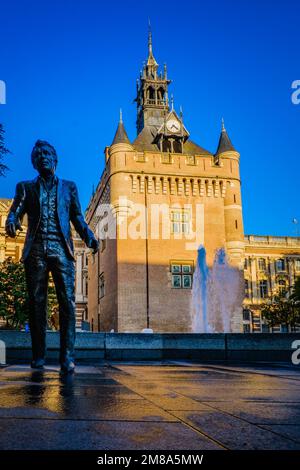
(152,93)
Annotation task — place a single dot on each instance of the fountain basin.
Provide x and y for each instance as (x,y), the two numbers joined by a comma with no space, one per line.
(96,347)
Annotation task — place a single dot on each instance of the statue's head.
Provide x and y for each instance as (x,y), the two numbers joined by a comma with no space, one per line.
(44,157)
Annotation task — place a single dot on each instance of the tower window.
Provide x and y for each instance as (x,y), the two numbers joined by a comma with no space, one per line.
(182,274)
(160,95)
(151,94)
(166,147)
(236,224)
(180,221)
(234,198)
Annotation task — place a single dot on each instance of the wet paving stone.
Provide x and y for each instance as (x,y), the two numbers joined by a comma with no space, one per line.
(236,434)
(30,403)
(263,413)
(151,406)
(83,435)
(290,431)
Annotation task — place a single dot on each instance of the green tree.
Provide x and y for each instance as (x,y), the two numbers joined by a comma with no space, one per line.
(14,300)
(295,292)
(283,310)
(275,312)
(3,152)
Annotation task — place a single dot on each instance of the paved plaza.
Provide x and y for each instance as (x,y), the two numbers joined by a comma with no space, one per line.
(157,405)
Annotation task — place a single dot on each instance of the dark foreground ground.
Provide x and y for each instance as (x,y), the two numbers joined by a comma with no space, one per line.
(170,405)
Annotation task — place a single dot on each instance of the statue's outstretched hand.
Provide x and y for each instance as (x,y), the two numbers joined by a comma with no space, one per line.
(94,245)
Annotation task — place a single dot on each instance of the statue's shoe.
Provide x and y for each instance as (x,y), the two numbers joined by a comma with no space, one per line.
(38,364)
(68,367)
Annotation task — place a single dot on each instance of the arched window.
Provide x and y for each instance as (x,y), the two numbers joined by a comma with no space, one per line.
(151,93)
(160,94)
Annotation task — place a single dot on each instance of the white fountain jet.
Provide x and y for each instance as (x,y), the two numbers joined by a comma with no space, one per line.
(216,294)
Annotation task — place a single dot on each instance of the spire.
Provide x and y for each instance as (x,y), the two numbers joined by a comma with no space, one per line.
(149,37)
(165,71)
(151,60)
(121,136)
(152,91)
(223,125)
(225,144)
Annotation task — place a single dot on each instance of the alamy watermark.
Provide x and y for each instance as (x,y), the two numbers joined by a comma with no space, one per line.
(295,97)
(2,92)
(125,219)
(296,353)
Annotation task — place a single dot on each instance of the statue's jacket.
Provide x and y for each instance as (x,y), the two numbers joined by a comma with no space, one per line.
(27,200)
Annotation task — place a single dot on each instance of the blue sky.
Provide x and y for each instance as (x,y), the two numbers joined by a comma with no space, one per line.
(70,65)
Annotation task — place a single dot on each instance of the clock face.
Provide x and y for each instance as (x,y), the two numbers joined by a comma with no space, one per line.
(173,126)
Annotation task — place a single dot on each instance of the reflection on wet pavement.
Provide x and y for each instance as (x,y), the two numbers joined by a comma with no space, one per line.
(170,405)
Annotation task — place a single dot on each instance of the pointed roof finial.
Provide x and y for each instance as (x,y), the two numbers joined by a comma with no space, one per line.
(225,144)
(121,136)
(151,60)
(165,71)
(172,102)
(223,125)
(181,112)
(149,37)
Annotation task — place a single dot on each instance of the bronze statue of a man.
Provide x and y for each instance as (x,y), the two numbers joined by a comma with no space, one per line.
(50,204)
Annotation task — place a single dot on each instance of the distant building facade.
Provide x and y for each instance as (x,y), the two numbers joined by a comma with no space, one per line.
(271,267)
(10,247)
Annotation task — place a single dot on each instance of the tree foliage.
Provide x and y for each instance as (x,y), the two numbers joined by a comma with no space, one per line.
(14,300)
(3,152)
(283,310)
(295,293)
